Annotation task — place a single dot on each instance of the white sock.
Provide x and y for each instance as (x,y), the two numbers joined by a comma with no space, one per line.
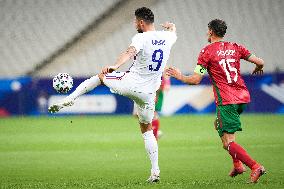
(151,147)
(84,87)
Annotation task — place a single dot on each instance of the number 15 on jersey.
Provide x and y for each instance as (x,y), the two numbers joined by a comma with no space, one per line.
(157,57)
(224,63)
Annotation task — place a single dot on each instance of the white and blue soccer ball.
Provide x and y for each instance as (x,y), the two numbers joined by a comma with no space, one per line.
(62,83)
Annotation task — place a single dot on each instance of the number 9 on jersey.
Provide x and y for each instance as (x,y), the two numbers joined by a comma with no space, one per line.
(157,57)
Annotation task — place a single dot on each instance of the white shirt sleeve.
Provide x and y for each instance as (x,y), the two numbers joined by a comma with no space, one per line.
(137,42)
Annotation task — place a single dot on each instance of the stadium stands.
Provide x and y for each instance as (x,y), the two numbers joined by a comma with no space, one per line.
(32,33)
(33,30)
(257,29)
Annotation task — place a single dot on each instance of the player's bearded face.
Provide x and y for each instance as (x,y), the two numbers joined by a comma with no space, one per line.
(138,25)
(209,34)
(139,30)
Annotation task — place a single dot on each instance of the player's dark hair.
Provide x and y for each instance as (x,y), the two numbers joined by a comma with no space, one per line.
(218,27)
(145,14)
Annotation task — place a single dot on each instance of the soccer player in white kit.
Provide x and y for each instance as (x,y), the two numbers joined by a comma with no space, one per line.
(150,50)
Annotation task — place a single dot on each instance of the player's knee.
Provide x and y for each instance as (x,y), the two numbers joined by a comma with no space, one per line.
(144,120)
(225,145)
(145,127)
(145,115)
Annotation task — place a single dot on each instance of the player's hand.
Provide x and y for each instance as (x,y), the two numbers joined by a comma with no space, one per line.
(174,72)
(169,26)
(108,69)
(258,70)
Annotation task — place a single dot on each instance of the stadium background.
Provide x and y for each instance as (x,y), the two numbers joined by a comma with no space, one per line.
(40,38)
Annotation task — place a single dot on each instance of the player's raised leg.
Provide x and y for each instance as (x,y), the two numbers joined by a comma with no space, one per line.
(83,88)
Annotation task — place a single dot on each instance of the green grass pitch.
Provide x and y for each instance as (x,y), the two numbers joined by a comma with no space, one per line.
(108,152)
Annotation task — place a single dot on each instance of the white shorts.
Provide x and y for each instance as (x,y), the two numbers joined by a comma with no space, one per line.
(124,83)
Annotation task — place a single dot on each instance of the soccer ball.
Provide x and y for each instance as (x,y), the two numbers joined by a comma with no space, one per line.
(62,83)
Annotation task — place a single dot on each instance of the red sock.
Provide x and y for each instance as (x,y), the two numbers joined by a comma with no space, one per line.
(237,163)
(238,153)
(235,159)
(155,127)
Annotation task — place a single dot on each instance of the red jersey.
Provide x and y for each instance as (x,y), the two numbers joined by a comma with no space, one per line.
(222,61)
(166,83)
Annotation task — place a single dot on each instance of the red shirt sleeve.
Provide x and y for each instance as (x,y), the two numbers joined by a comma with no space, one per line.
(203,58)
(244,52)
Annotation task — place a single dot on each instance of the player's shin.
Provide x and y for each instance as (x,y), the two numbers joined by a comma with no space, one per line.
(238,152)
(84,87)
(151,147)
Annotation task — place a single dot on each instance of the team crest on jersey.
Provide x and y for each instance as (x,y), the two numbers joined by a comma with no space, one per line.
(158,42)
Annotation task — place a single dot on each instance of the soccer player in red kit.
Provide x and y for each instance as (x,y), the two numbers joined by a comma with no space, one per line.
(165,85)
(221,60)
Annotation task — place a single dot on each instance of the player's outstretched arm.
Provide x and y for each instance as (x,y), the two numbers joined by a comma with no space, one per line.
(169,26)
(194,79)
(259,63)
(122,59)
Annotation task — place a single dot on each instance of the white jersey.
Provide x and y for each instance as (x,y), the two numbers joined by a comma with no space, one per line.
(144,77)
(153,51)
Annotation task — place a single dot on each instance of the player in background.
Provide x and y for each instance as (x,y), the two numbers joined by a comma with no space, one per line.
(165,85)
(150,50)
(221,60)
